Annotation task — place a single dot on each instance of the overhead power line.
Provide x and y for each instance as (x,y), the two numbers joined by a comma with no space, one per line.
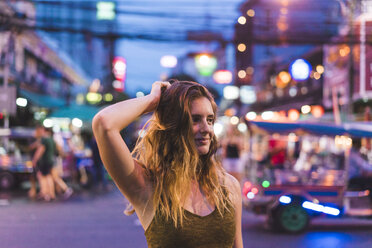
(150,2)
(52,24)
(162,14)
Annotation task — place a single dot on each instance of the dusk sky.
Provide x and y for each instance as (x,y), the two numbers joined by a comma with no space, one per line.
(171,19)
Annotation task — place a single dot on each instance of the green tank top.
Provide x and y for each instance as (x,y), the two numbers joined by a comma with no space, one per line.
(210,231)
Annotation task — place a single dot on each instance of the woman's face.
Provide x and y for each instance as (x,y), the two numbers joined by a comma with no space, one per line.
(203,119)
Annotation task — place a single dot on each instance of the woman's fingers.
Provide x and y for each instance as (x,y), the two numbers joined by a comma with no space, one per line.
(162,83)
(158,86)
(166,83)
(164,86)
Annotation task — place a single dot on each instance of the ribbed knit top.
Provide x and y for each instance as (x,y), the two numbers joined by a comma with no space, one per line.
(210,231)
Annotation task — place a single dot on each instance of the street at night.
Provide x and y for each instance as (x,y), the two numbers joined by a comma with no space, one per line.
(96,220)
(187,109)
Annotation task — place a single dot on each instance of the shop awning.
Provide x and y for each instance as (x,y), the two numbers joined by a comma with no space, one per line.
(42,100)
(83,112)
(354,129)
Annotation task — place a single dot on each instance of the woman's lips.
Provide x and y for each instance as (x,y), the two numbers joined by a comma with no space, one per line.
(204,141)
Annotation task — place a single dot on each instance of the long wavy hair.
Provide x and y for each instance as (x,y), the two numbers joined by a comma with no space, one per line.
(169,154)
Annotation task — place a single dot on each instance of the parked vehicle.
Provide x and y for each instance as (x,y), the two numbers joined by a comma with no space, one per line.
(313,180)
(15,161)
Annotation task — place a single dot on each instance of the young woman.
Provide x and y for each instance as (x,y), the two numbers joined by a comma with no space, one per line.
(181,194)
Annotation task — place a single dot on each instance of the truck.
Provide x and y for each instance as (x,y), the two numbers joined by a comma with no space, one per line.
(313,181)
(15,161)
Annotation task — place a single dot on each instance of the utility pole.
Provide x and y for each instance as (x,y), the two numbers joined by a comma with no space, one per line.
(8,93)
(6,71)
(350,105)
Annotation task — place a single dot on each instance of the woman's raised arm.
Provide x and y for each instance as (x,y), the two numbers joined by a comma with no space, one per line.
(116,157)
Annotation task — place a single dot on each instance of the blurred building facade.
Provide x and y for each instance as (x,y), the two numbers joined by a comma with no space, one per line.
(348,65)
(85,30)
(270,35)
(33,66)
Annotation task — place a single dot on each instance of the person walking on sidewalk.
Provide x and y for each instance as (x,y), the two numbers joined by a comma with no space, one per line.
(182,195)
(100,181)
(43,160)
(57,169)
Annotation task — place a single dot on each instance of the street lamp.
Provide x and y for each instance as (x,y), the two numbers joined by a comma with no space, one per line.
(222,76)
(300,69)
(168,61)
(205,63)
(119,69)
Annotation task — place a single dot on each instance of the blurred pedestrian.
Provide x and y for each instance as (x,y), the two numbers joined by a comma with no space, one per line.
(277,157)
(99,171)
(232,147)
(174,180)
(43,159)
(57,169)
(32,192)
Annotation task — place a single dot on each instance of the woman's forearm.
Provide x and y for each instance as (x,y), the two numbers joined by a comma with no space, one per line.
(116,157)
(120,115)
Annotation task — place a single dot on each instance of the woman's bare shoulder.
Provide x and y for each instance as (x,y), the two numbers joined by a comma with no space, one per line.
(232,183)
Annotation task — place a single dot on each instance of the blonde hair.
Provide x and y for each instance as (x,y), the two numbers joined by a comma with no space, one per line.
(169,155)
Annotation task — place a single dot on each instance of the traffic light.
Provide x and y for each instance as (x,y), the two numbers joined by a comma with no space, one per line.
(119,70)
(205,63)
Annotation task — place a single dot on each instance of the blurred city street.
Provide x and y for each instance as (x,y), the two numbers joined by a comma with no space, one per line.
(96,220)
(87,219)
(292,81)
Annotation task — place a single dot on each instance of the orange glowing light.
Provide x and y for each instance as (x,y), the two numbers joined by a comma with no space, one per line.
(230,112)
(254,190)
(5,160)
(317,111)
(282,26)
(344,51)
(251,13)
(282,79)
(293,114)
(285,76)
(242,47)
(284,2)
(247,185)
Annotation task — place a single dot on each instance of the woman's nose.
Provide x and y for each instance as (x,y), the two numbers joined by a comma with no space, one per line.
(204,126)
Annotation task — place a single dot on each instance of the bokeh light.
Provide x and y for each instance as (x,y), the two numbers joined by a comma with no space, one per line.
(250,116)
(231,92)
(168,61)
(300,69)
(222,76)
(251,13)
(293,114)
(242,20)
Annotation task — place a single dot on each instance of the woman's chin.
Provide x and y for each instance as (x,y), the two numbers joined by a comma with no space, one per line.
(203,150)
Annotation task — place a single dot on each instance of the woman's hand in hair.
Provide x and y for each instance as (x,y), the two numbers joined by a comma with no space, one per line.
(157,88)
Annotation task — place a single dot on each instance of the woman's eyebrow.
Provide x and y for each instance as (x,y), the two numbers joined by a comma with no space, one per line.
(198,115)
